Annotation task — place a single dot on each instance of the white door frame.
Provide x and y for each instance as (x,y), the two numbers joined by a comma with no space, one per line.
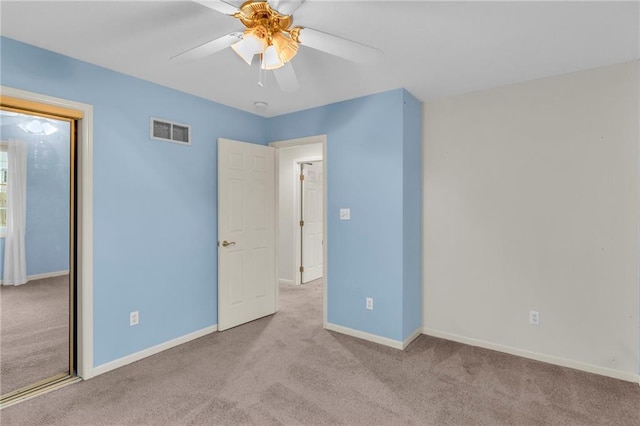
(84,266)
(296,142)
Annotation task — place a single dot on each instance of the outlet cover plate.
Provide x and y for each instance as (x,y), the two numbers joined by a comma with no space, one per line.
(370,303)
(534,317)
(134,318)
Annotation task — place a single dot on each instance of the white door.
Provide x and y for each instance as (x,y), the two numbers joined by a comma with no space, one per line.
(311,221)
(246,233)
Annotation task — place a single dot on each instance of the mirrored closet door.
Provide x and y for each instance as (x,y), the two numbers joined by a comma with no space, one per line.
(36,249)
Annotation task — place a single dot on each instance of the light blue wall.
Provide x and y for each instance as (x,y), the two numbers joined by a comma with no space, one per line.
(155,226)
(47,221)
(412,219)
(367,168)
(48,182)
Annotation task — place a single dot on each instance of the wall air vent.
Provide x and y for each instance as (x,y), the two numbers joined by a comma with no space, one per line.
(169,131)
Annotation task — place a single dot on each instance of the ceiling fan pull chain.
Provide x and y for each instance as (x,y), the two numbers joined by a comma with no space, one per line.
(261,72)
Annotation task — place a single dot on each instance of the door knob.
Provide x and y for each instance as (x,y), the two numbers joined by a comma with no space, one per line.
(226,243)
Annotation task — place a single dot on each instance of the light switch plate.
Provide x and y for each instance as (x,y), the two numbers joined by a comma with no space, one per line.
(345,214)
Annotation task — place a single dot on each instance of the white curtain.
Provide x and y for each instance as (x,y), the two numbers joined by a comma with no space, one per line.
(15,261)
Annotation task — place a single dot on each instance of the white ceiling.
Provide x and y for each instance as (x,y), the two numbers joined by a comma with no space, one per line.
(433,49)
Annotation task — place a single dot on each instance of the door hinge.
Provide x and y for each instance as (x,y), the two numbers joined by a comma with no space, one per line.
(302,223)
(301,177)
(302,269)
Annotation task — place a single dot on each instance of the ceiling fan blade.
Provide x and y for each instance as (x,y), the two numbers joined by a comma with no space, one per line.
(219,6)
(286,78)
(339,46)
(286,7)
(208,48)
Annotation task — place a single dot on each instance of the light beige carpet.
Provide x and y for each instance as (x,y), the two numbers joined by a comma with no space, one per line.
(286,369)
(34,332)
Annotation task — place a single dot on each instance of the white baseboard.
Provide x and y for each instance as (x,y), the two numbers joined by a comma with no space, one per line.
(285,281)
(397,344)
(112,365)
(413,336)
(47,275)
(550,359)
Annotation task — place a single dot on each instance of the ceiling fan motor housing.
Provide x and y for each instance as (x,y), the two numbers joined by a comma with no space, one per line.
(271,28)
(260,14)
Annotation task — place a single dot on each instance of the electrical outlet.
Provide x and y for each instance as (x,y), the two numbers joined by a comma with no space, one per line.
(134,318)
(534,317)
(370,303)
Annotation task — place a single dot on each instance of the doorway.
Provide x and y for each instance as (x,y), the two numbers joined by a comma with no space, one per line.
(246,224)
(45,242)
(290,156)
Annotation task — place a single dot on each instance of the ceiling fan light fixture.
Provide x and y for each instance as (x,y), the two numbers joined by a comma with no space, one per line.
(270,59)
(38,127)
(285,47)
(249,46)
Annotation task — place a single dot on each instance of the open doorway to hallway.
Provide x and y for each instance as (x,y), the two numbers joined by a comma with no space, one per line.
(301,239)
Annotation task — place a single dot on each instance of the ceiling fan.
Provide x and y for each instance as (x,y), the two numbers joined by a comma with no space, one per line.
(270,36)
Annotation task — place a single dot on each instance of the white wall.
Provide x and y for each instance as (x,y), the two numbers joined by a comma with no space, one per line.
(288,214)
(531,203)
